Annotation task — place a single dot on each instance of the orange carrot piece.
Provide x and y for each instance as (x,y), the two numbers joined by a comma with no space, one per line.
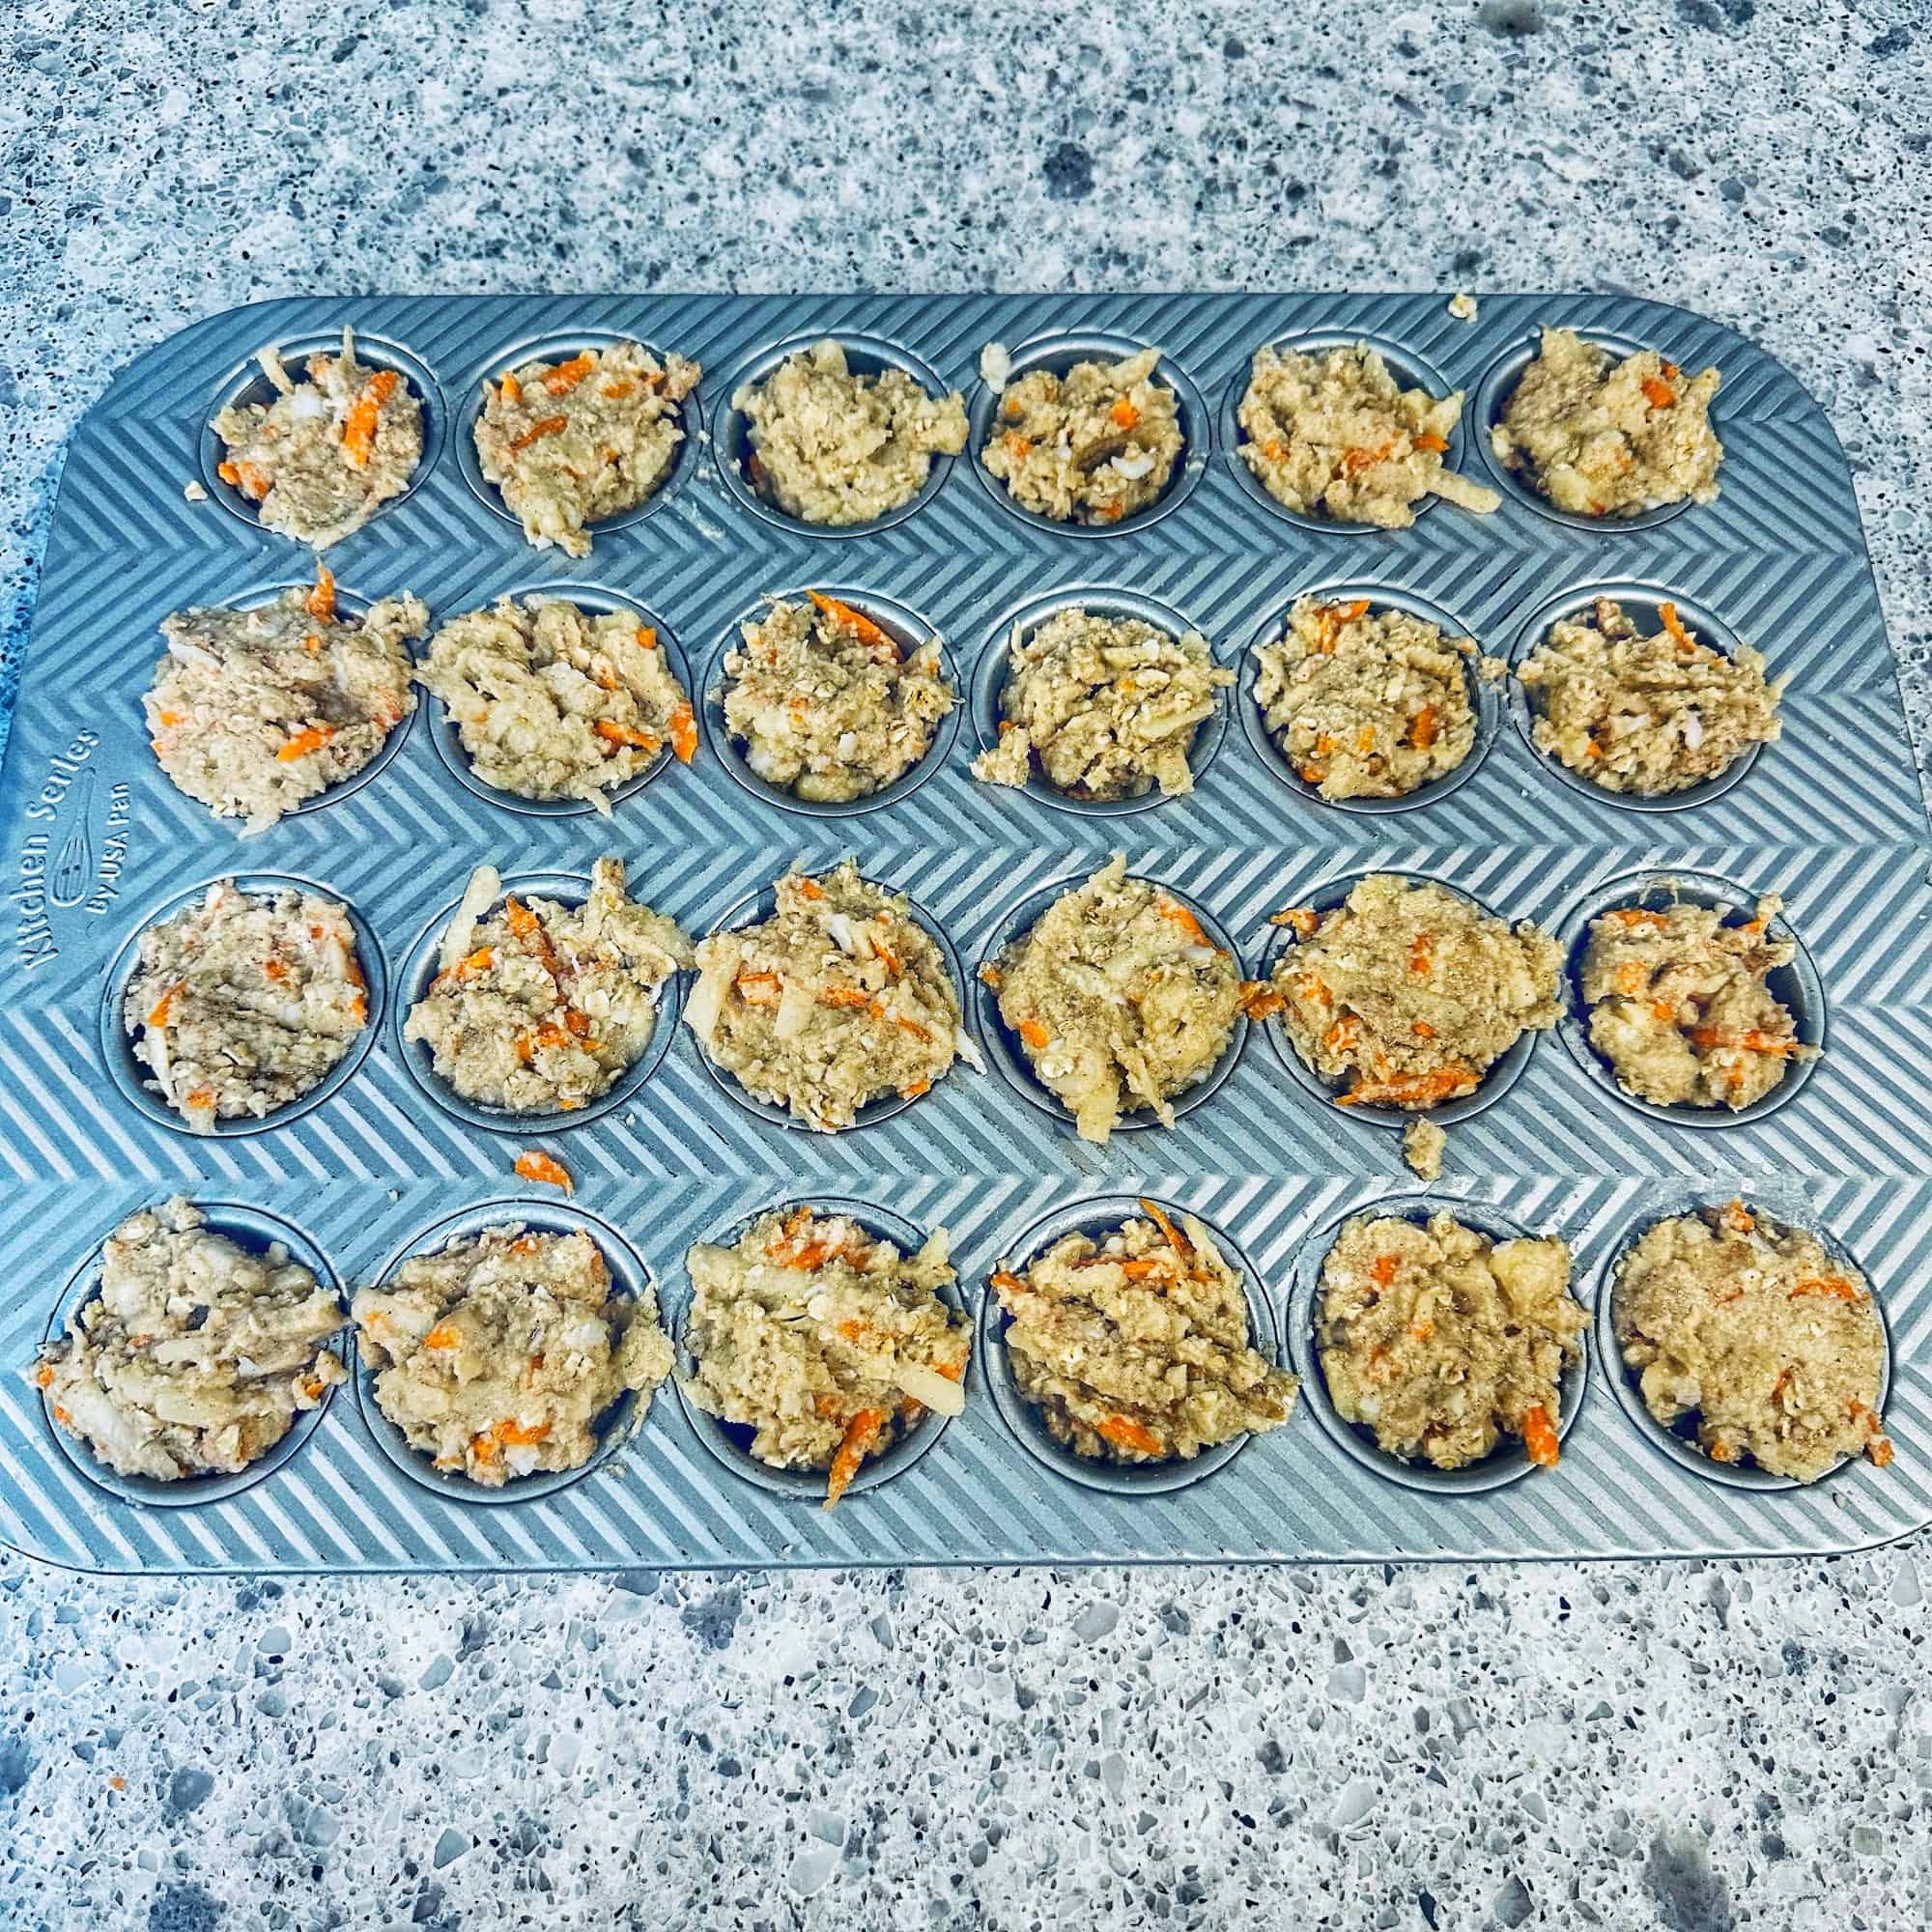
(1410,1089)
(613,734)
(303,743)
(565,377)
(861,1433)
(1034,1034)
(549,426)
(1124,1432)
(1667,616)
(1173,910)
(442,1336)
(1539,1436)
(535,1165)
(1430,443)
(358,427)
(759,990)
(857,622)
(1835,1285)
(320,601)
(1170,1234)
(1658,394)
(158,1014)
(1123,414)
(520,1435)
(1425,729)
(684,734)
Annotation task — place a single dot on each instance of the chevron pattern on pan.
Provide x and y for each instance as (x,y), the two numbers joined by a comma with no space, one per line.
(978,1495)
(1832,818)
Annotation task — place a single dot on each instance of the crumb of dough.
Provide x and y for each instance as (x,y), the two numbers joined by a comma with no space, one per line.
(1119,999)
(1646,715)
(1092,447)
(831,447)
(1462,306)
(1109,706)
(840,999)
(1368,703)
(825,704)
(996,366)
(193,491)
(824,1339)
(1751,1327)
(540,1007)
(1443,1342)
(1408,993)
(571,443)
(1135,1346)
(552,701)
(1422,1144)
(329,452)
(1679,1007)
(244,1001)
(499,1354)
(1604,438)
(253,712)
(196,1355)
(1335,434)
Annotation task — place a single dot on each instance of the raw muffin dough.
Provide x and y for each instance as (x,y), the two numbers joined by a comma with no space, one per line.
(570,442)
(1406,994)
(1679,1007)
(1368,704)
(196,1355)
(824,704)
(1422,1146)
(552,701)
(1110,706)
(321,459)
(244,1003)
(1135,1347)
(837,1000)
(832,447)
(1119,999)
(1603,437)
(1442,1342)
(543,1006)
(823,1340)
(498,1355)
(1751,1327)
(1090,448)
(1335,434)
(254,711)
(1645,715)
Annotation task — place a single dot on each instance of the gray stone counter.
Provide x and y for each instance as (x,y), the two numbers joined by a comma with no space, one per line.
(1694,1747)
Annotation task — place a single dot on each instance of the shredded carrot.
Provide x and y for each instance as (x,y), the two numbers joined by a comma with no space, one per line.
(1178,914)
(303,743)
(1125,414)
(358,427)
(1539,1436)
(857,622)
(844,996)
(1017,445)
(1638,916)
(991,976)
(1430,443)
(252,479)
(1423,731)
(1124,1432)
(198,1097)
(43,1376)
(861,1433)
(1410,1089)
(613,734)
(513,391)
(520,1435)
(469,966)
(1422,1030)
(228,474)
(808,888)
(1034,1034)
(1170,1234)
(1667,616)
(1835,1285)
(1421,952)
(549,426)
(535,1165)
(320,601)
(914,1089)
(442,1336)
(565,377)
(1383,1269)
(1259,1001)
(275,969)
(1422,1330)
(1006,1282)
(1355,461)
(684,734)
(1301,920)
(1738,1218)
(158,1014)
(1752,1041)
(759,990)
(622,386)
(1658,395)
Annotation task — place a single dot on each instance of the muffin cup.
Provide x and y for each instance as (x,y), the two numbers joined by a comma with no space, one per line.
(1097,1216)
(989,678)
(1508,1461)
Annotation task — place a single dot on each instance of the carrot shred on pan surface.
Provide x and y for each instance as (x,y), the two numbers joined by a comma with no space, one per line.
(1538,1437)
(536,1164)
(861,1433)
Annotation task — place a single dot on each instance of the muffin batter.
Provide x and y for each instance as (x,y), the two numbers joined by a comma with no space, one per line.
(1604,438)
(1368,704)
(1679,1005)
(1406,994)
(543,1006)
(1645,715)
(571,441)
(244,1003)
(1119,999)
(1442,1342)
(1090,448)
(1751,1327)
(840,999)
(253,712)
(500,1353)
(1334,434)
(552,701)
(823,1340)
(196,1355)
(1109,706)
(828,706)
(1135,1347)
(321,459)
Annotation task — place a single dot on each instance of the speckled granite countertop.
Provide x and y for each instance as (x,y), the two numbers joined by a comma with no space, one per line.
(1693,1749)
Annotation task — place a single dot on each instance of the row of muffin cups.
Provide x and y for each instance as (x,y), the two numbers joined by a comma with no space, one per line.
(1288,1341)
(981,695)
(1797,985)
(1203,426)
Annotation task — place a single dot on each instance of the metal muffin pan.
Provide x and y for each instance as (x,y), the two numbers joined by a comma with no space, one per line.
(1831,817)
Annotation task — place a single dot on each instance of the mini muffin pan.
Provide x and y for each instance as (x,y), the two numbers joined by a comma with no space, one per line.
(377,1162)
